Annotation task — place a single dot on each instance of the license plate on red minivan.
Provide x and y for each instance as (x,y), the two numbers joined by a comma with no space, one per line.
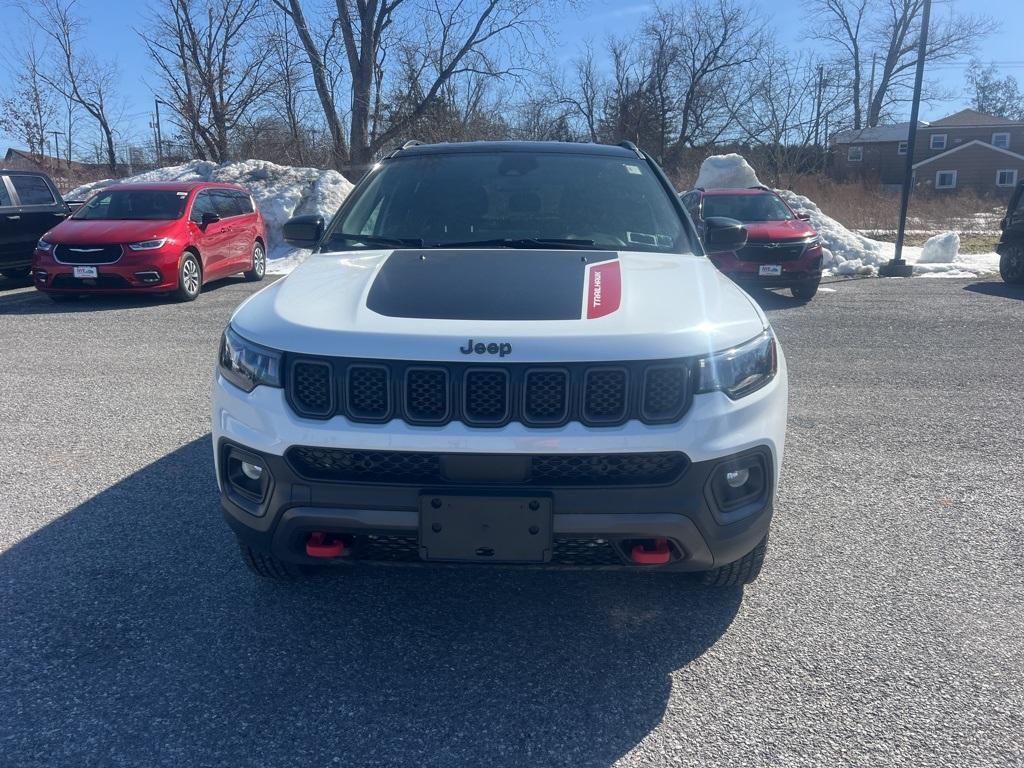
(85,272)
(770,270)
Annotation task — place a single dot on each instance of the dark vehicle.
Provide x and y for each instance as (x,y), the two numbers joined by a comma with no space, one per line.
(782,251)
(29,206)
(1011,244)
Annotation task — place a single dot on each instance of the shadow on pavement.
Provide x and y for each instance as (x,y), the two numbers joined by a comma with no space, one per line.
(36,303)
(132,634)
(998,288)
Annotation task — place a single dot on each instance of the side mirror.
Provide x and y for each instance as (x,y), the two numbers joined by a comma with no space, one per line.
(209,218)
(303,231)
(723,234)
(803,215)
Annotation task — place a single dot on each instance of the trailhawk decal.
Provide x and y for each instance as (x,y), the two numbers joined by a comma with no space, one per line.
(496,284)
(604,289)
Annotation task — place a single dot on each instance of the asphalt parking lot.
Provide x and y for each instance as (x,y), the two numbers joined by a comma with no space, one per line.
(887,627)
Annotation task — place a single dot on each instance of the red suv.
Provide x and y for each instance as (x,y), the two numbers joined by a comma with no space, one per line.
(783,250)
(164,237)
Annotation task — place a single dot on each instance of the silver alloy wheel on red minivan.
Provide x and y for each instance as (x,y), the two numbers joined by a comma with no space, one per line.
(259,263)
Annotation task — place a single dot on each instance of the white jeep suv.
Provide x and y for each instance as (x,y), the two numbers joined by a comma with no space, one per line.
(510,353)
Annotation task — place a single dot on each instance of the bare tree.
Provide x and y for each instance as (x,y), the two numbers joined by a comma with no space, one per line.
(26,113)
(207,55)
(845,22)
(440,40)
(76,74)
(897,35)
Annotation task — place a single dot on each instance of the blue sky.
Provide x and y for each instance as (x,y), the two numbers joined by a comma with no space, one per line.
(111,25)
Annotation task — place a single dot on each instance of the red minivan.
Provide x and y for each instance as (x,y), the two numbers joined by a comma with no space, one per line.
(152,238)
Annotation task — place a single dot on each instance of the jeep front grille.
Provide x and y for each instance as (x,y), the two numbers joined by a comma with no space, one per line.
(339,465)
(434,394)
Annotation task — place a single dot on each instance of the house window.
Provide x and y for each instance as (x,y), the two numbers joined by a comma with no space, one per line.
(855,154)
(938,141)
(1006,178)
(1001,140)
(945,180)
(901,148)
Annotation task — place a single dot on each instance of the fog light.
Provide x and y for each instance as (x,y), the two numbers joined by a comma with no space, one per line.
(252,471)
(737,478)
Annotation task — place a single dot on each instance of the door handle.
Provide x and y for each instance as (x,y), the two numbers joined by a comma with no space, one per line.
(13,218)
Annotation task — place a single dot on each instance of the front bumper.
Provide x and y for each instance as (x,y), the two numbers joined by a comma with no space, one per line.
(142,272)
(593,524)
(794,272)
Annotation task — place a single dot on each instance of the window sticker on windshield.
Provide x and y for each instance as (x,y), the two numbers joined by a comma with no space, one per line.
(182,195)
(633,169)
(642,238)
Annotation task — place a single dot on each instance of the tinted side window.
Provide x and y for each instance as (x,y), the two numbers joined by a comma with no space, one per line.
(202,204)
(244,202)
(32,190)
(5,197)
(226,203)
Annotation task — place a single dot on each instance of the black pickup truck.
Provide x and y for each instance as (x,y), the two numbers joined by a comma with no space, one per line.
(29,206)
(1011,244)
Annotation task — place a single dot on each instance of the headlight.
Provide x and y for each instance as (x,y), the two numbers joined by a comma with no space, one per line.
(42,245)
(812,242)
(148,245)
(247,365)
(740,370)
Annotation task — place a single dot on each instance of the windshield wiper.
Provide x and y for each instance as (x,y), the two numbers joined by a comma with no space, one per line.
(411,242)
(524,242)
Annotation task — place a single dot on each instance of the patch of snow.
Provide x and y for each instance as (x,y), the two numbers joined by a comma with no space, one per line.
(940,249)
(280,192)
(730,171)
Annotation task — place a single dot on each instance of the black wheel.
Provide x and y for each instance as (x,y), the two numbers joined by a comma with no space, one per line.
(743,571)
(268,566)
(16,273)
(63,298)
(190,278)
(1011,266)
(805,291)
(259,263)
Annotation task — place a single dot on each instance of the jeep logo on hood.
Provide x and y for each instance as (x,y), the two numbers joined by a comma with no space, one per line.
(491,348)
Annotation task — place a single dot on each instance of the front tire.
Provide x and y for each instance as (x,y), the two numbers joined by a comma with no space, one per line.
(267,566)
(16,273)
(1011,266)
(805,291)
(190,278)
(259,264)
(743,571)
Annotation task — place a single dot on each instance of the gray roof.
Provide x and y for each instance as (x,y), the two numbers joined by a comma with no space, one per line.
(895,132)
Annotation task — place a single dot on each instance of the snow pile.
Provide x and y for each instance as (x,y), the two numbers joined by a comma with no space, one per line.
(280,192)
(941,249)
(850,253)
(726,172)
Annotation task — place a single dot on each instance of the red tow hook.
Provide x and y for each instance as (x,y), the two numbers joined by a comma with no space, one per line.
(318,545)
(651,552)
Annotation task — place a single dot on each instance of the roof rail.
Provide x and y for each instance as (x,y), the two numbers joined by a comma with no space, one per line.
(759,186)
(632,148)
(412,143)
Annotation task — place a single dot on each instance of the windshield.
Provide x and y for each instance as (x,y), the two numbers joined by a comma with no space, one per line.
(747,208)
(513,199)
(134,205)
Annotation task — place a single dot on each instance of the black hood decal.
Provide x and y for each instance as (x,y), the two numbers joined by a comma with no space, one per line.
(495,284)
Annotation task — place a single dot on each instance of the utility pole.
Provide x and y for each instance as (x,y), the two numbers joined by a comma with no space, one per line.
(56,142)
(897,267)
(159,140)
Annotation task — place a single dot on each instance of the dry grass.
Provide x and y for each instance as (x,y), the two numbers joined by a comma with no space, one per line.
(859,206)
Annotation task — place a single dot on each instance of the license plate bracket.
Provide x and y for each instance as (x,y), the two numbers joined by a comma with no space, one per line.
(81,272)
(485,529)
(770,270)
